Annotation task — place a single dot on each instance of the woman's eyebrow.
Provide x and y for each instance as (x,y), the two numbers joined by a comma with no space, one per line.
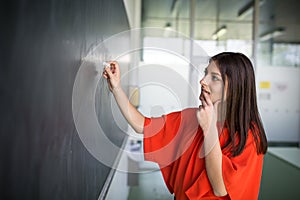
(215,73)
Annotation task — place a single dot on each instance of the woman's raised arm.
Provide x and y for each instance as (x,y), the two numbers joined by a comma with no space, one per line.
(131,114)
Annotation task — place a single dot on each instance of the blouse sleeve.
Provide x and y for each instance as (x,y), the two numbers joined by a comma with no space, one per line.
(242,174)
(159,134)
(167,137)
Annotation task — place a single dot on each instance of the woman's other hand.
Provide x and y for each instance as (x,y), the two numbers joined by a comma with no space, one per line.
(207,114)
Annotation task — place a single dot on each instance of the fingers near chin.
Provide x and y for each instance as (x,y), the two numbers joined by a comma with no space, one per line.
(201,108)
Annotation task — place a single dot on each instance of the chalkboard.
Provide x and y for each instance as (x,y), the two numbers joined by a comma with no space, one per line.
(42,44)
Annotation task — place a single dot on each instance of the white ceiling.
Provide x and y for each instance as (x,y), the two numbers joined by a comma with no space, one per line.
(211,14)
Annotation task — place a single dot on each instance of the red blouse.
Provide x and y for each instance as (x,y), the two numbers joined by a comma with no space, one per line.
(174,142)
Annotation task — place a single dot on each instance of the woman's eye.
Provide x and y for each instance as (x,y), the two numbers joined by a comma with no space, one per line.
(214,78)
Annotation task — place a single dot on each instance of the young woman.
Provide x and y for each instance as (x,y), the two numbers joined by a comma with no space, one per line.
(211,152)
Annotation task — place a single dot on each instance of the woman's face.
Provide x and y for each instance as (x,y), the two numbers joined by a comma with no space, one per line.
(212,83)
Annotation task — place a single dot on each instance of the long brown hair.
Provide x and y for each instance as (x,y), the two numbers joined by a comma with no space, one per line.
(241,103)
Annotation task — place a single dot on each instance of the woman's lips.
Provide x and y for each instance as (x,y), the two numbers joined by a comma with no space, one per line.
(202,93)
(206,91)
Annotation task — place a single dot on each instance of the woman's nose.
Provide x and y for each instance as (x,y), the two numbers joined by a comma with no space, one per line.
(203,82)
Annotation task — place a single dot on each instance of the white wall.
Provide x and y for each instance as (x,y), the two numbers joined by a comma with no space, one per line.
(164,75)
(279,102)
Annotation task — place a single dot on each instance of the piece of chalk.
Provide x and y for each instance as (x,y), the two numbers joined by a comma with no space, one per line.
(105,64)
